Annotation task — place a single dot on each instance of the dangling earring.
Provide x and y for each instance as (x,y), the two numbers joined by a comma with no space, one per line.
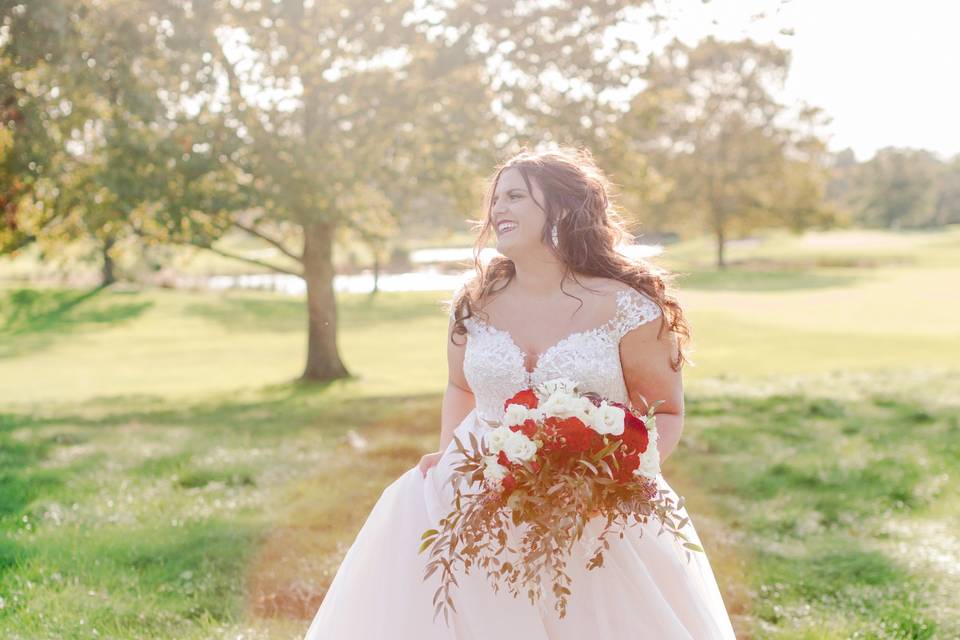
(554,236)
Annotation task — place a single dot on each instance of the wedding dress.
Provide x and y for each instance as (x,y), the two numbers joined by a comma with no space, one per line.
(646,587)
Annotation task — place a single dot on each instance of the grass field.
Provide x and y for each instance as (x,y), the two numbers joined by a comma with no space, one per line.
(162,477)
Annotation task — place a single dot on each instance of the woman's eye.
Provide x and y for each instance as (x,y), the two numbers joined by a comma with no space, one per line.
(515,196)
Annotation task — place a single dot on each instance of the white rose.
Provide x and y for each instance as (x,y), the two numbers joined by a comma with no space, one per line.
(496,438)
(585,409)
(493,471)
(650,459)
(515,414)
(608,419)
(519,447)
(561,404)
(559,384)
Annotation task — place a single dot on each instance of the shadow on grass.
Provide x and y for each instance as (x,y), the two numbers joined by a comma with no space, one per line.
(33,319)
(269,414)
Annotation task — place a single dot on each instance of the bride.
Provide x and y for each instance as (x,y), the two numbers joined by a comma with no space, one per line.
(561,301)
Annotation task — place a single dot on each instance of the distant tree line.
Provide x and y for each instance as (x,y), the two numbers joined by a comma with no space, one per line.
(896,189)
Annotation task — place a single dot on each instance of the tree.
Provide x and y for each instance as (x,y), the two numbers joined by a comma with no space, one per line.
(96,98)
(947,209)
(897,188)
(336,99)
(40,72)
(708,120)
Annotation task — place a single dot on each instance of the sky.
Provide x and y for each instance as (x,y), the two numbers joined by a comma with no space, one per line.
(887,72)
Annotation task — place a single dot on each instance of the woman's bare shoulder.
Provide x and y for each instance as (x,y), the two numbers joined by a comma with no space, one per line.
(480,300)
(603,287)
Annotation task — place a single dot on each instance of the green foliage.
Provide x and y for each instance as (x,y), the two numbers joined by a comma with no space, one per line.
(901,189)
(709,123)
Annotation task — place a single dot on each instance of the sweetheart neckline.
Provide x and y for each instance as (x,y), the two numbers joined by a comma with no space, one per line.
(528,374)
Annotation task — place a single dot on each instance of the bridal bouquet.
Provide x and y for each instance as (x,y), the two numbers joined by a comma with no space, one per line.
(556,459)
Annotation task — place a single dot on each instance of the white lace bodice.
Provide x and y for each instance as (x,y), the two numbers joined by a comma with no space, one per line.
(494,365)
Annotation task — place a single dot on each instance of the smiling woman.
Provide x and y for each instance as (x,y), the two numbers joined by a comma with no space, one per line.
(560,302)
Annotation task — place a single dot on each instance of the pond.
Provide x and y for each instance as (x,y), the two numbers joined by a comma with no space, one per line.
(439,269)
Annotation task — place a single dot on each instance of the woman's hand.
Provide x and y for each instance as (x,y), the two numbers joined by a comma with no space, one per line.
(428,461)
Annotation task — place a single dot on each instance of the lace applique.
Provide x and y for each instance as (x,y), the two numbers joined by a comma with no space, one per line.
(633,310)
(495,366)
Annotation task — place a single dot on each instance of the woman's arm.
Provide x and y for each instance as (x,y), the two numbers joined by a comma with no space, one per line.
(458,400)
(647,373)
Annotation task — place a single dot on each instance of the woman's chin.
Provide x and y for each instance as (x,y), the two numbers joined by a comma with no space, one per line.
(511,249)
(504,247)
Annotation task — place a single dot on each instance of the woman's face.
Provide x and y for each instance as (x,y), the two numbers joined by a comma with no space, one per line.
(516,218)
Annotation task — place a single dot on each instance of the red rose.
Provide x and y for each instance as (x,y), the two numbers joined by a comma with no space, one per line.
(509,483)
(527,398)
(529,428)
(627,465)
(535,465)
(635,434)
(576,436)
(503,459)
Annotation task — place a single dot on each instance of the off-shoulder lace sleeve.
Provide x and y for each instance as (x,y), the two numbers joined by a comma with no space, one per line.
(633,310)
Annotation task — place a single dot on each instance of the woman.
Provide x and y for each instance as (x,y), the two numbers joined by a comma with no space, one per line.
(560,302)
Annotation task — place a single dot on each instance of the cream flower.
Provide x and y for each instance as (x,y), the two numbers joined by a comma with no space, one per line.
(515,414)
(608,419)
(585,409)
(497,438)
(649,464)
(561,404)
(650,459)
(519,448)
(493,471)
(559,384)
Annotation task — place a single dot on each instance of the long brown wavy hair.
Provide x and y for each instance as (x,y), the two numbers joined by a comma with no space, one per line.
(587,238)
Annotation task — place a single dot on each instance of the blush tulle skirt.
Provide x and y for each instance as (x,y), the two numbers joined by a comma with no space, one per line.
(646,588)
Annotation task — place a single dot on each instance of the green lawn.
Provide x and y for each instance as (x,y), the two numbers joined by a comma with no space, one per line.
(162,477)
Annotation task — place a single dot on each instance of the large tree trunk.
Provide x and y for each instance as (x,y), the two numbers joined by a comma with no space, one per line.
(323,359)
(107,274)
(721,237)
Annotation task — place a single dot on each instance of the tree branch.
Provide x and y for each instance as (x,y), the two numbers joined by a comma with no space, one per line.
(228,254)
(236,96)
(236,256)
(273,241)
